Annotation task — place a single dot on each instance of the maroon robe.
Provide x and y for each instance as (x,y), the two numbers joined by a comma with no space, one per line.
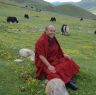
(49,47)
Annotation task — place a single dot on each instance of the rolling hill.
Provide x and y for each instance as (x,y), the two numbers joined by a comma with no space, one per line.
(73,10)
(32,4)
(87,4)
(93,10)
(67,9)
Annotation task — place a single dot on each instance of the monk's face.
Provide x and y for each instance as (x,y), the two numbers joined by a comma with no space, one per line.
(50,32)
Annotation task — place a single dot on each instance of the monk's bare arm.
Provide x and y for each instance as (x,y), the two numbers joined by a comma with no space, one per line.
(45,61)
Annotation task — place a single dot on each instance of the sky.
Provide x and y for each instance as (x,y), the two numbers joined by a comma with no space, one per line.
(63,0)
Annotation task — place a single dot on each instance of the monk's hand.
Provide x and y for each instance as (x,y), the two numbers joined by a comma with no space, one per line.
(52,68)
(67,56)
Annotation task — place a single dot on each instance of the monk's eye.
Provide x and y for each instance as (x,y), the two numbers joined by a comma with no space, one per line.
(52,30)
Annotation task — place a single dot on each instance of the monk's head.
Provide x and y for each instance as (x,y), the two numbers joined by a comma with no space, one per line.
(50,31)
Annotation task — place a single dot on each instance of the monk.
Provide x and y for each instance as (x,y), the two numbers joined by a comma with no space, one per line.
(51,62)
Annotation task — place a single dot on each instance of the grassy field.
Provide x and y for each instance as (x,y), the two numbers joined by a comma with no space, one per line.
(81,45)
(93,10)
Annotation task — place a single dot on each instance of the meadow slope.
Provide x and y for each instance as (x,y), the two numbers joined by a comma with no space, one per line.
(81,45)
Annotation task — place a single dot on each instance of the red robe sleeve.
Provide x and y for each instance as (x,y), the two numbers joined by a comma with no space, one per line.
(39,50)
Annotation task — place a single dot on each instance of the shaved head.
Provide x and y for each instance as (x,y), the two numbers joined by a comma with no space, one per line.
(50,31)
(50,27)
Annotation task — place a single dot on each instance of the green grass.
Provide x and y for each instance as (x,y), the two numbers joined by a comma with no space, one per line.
(81,45)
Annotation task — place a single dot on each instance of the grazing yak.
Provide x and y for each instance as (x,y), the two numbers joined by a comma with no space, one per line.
(26,16)
(53,19)
(12,19)
(65,29)
(56,87)
(81,19)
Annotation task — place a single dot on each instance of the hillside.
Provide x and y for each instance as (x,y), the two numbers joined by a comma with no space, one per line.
(93,10)
(73,10)
(67,9)
(33,4)
(87,4)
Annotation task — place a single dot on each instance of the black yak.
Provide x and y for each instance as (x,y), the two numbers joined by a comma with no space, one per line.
(53,19)
(26,16)
(12,19)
